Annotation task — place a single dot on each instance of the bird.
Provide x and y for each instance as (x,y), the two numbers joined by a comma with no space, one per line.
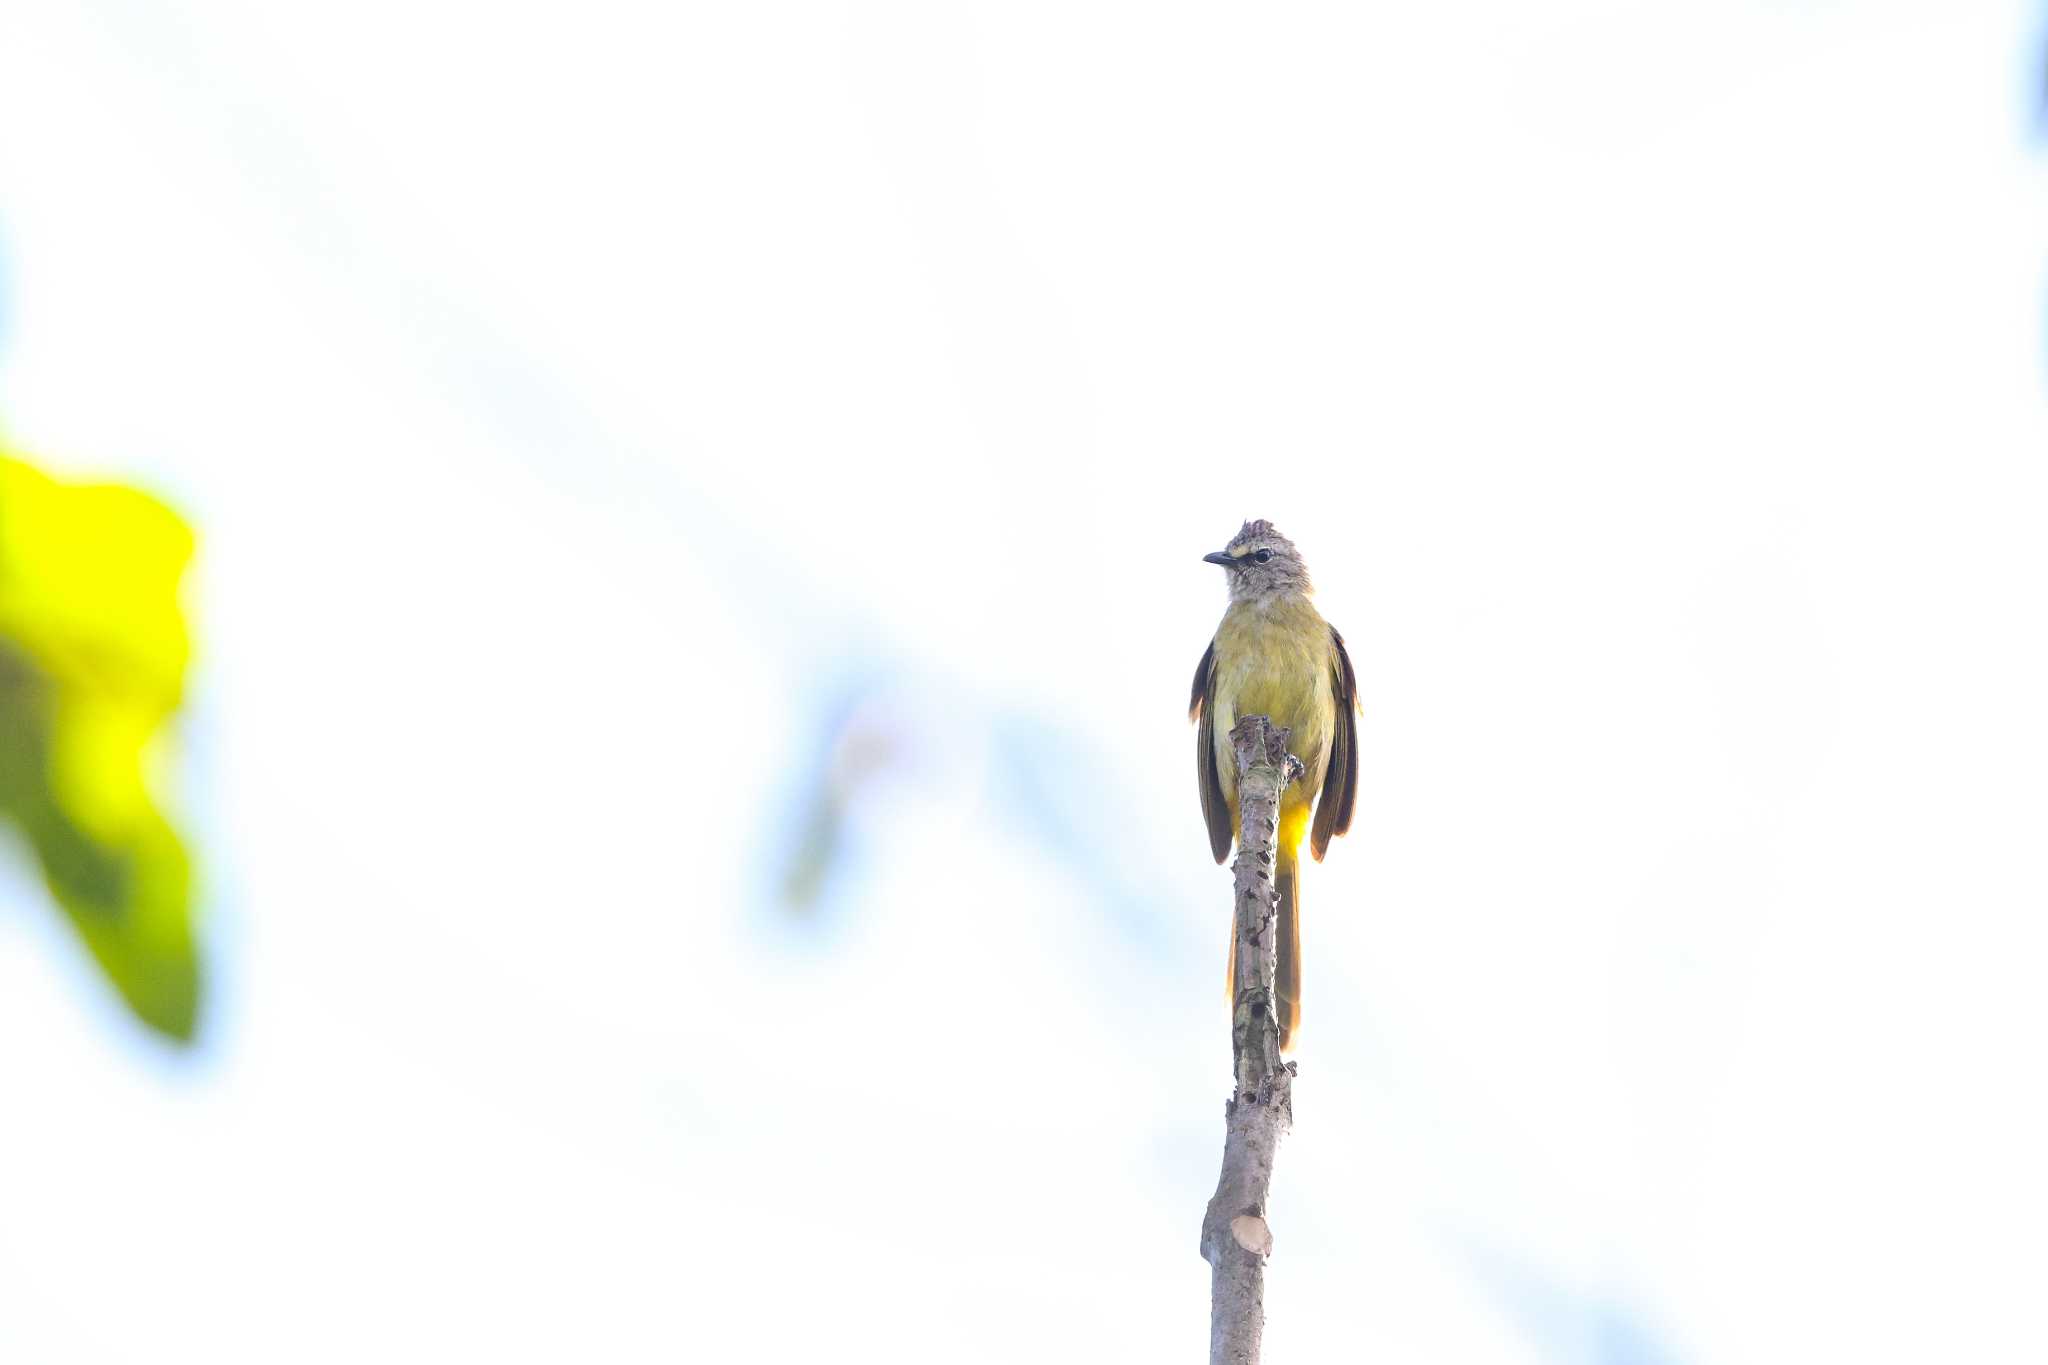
(1274,655)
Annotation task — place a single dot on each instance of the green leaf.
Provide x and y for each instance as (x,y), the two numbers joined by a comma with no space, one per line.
(93,652)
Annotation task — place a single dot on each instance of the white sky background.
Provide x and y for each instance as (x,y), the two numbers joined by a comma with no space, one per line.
(578,409)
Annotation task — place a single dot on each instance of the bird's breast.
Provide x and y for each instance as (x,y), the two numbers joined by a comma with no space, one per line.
(1275,662)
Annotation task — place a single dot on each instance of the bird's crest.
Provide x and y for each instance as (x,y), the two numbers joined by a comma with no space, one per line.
(1260,532)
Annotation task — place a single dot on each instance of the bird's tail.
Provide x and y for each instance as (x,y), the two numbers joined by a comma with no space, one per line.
(1286,946)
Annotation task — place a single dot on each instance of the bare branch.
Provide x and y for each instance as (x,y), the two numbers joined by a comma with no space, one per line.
(1236,1238)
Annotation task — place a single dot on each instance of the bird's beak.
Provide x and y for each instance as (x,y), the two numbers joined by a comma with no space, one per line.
(1222,557)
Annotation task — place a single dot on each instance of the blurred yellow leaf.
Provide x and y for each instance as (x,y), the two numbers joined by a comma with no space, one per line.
(93,650)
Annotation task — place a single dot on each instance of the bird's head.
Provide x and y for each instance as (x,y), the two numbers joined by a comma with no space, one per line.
(1261,563)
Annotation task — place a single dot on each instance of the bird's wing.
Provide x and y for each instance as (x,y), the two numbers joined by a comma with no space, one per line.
(1215,810)
(1340,779)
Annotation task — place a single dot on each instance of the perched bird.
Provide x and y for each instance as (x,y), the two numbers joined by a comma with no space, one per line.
(1274,655)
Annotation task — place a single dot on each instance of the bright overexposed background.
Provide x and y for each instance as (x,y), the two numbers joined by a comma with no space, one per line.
(701,516)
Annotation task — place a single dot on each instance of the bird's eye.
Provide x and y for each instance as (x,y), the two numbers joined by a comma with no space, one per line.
(1263,555)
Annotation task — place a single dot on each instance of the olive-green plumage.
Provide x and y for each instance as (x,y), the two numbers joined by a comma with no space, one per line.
(1274,655)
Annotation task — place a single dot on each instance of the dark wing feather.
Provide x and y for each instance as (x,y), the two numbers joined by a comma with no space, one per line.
(1215,810)
(1340,781)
